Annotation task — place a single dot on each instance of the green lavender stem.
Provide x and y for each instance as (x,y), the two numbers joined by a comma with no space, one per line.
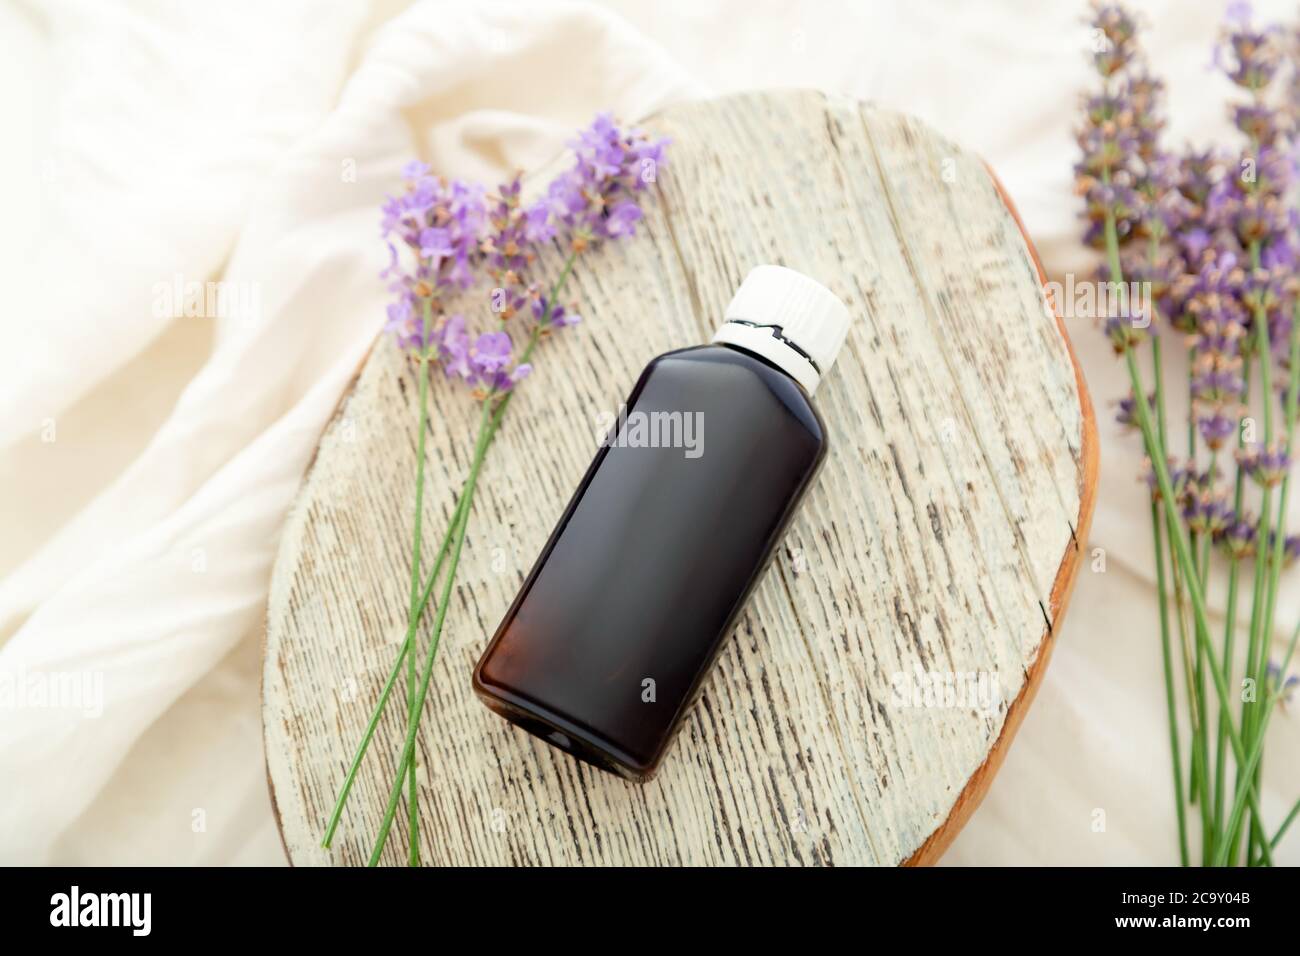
(1162,588)
(1187,654)
(1257,643)
(489,424)
(1253,634)
(1196,682)
(1281,831)
(1246,781)
(487,432)
(1279,534)
(1208,828)
(1230,625)
(378,711)
(1221,741)
(1191,656)
(457,543)
(1166,656)
(417,535)
(1183,556)
(1158,455)
(462,506)
(1158,376)
(1200,770)
(1207,538)
(1181,547)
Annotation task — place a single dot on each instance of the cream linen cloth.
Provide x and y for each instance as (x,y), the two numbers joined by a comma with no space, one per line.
(147,463)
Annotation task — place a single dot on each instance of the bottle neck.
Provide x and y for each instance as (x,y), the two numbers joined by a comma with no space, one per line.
(768,342)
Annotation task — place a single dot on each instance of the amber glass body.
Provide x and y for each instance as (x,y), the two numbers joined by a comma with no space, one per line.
(610,638)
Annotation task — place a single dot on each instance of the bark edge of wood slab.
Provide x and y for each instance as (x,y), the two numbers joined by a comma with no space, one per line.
(961,480)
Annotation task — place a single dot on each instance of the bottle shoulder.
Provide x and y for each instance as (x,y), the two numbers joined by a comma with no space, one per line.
(738,368)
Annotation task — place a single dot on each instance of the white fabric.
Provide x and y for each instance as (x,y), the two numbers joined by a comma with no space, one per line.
(252,142)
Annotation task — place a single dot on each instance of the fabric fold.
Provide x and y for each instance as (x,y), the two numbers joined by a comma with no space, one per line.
(166,571)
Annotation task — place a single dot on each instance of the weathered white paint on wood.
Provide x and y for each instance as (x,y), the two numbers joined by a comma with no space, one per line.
(939,535)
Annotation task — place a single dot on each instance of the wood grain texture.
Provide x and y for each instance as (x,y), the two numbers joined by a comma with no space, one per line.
(942,533)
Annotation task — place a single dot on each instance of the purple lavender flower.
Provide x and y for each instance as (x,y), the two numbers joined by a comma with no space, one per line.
(1126,413)
(1183,478)
(1266,466)
(1125,179)
(1254,202)
(560,317)
(491,353)
(435,243)
(1118,30)
(1208,299)
(485,362)
(508,247)
(1263,290)
(1200,173)
(1103,199)
(404,324)
(1211,234)
(538,224)
(1124,331)
(1285,685)
(440,234)
(1289,546)
(1257,216)
(595,197)
(1249,57)
(1262,124)
(1217,384)
(453,348)
(1206,512)
(432,231)
(489,364)
(1216,426)
(622,220)
(1108,146)
(1238,535)
(1146,94)
(1162,209)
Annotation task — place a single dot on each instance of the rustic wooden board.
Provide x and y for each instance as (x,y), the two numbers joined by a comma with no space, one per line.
(942,532)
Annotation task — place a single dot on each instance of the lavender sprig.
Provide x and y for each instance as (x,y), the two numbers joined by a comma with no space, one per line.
(1213,235)
(441,236)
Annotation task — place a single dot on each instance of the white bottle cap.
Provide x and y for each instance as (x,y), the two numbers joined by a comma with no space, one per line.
(794,322)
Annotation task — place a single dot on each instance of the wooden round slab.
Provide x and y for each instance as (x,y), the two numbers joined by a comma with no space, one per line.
(941,537)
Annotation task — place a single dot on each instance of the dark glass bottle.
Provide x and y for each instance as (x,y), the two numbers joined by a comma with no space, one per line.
(648,569)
